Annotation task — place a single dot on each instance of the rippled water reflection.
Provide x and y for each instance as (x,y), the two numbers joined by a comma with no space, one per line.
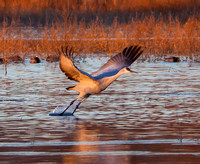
(149,117)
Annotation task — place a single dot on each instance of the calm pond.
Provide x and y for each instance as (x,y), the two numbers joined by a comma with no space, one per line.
(149,117)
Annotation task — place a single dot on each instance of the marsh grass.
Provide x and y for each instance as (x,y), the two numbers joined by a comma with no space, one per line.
(158,38)
(161,27)
(45,12)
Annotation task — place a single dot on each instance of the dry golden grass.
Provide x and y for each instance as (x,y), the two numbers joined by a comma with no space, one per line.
(39,6)
(46,12)
(158,37)
(98,26)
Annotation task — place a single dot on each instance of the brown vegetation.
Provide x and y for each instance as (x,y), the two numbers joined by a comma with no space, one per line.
(162,27)
(157,36)
(44,12)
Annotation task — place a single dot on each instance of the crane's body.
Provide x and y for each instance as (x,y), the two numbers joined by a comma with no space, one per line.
(101,79)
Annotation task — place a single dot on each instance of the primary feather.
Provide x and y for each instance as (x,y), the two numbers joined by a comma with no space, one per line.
(119,61)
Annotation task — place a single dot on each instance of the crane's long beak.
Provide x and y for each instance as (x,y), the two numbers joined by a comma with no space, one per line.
(128,69)
(132,71)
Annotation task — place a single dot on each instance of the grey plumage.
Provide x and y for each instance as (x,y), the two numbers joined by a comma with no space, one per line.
(101,79)
(117,62)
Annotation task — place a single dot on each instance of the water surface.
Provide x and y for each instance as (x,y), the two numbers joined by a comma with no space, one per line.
(149,117)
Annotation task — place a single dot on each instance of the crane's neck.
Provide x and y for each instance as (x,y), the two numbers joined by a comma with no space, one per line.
(106,81)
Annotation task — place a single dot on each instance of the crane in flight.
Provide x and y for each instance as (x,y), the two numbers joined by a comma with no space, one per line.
(90,84)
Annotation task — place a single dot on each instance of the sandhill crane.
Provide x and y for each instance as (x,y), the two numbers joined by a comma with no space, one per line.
(101,79)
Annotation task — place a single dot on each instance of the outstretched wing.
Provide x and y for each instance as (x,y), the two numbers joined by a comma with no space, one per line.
(70,70)
(119,61)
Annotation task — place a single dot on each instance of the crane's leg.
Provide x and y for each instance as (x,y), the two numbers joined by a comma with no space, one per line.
(81,96)
(84,98)
(68,107)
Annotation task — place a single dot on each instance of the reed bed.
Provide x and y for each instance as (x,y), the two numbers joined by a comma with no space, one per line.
(41,27)
(158,37)
(45,12)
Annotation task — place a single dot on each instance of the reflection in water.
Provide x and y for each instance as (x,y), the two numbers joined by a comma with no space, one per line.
(152,116)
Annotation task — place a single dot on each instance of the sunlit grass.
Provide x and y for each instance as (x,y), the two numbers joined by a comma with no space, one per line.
(161,27)
(158,38)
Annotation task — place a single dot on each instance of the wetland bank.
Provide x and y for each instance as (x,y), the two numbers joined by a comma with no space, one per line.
(151,117)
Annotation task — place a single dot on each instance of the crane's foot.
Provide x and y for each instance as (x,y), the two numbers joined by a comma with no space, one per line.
(62,113)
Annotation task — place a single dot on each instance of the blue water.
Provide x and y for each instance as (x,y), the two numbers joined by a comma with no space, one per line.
(149,117)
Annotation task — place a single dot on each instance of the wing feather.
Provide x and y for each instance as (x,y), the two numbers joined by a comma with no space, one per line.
(71,71)
(119,61)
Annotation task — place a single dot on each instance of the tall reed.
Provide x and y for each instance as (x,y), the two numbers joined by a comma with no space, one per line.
(45,12)
(158,36)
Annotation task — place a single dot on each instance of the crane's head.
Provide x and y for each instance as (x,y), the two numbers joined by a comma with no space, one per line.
(127,70)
